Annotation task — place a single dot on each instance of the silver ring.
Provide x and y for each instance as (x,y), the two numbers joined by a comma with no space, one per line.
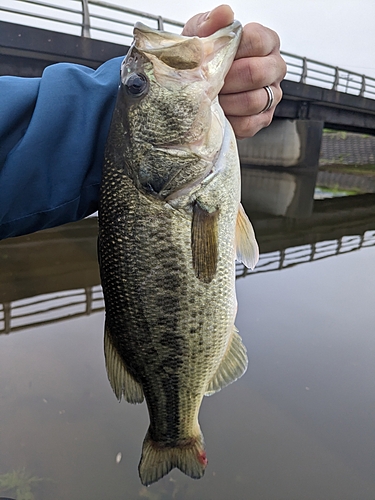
(271,98)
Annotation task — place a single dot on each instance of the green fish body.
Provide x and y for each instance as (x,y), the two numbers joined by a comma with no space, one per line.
(170,224)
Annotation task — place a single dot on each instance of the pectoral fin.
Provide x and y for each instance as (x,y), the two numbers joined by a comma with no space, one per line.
(122,382)
(246,243)
(232,366)
(204,242)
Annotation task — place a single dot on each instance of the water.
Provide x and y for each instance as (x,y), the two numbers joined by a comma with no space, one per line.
(300,423)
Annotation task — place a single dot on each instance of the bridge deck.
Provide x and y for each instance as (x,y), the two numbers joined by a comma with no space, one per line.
(337,110)
(26,51)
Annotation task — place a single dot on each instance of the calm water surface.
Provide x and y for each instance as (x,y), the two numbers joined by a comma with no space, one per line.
(299,425)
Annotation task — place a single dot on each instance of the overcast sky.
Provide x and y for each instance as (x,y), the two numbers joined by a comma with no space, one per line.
(338,32)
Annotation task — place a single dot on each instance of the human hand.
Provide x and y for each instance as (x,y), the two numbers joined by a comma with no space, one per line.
(257,64)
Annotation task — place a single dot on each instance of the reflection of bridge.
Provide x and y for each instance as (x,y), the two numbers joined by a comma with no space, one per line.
(290,257)
(49,308)
(59,306)
(53,275)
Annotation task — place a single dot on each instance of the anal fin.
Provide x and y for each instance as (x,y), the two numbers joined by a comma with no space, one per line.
(246,243)
(122,382)
(232,366)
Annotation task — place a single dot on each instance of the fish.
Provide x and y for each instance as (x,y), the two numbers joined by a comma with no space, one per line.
(170,228)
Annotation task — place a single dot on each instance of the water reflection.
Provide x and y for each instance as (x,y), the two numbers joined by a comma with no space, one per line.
(297,425)
(284,192)
(49,308)
(53,275)
(282,259)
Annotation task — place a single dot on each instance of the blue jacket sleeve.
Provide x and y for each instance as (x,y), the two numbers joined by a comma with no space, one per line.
(53,132)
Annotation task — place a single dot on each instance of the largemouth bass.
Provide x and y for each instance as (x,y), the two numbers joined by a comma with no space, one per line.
(170,223)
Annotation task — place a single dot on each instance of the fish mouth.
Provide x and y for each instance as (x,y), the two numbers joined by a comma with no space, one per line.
(150,39)
(197,58)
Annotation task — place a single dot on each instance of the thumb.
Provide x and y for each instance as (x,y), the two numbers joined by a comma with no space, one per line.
(207,23)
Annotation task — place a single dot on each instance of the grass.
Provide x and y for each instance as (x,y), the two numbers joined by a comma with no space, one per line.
(336,190)
(365,170)
(19,484)
(342,133)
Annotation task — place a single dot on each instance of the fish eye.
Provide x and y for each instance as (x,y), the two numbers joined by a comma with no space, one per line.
(136,84)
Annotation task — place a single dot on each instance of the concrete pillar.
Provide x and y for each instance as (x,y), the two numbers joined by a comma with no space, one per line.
(285,143)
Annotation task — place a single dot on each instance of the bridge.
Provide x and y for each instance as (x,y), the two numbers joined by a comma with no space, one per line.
(91,31)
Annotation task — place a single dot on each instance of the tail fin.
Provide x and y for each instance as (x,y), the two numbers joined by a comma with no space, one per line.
(157,460)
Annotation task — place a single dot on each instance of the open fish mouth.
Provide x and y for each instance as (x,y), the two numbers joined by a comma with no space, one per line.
(185,47)
(212,56)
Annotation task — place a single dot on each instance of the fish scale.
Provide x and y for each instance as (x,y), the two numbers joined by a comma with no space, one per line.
(167,231)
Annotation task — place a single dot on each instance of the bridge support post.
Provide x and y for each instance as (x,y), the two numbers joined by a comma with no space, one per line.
(285,143)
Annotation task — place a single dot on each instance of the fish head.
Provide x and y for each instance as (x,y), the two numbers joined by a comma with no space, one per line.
(168,104)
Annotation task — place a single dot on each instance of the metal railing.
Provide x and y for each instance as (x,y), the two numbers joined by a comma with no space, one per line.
(304,70)
(88,18)
(113,22)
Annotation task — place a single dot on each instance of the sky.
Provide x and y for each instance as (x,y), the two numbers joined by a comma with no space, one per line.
(336,32)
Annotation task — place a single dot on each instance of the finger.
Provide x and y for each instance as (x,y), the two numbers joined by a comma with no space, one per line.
(253,73)
(209,22)
(257,41)
(249,103)
(248,126)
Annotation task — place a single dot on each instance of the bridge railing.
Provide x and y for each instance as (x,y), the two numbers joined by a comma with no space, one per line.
(111,22)
(88,18)
(304,70)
